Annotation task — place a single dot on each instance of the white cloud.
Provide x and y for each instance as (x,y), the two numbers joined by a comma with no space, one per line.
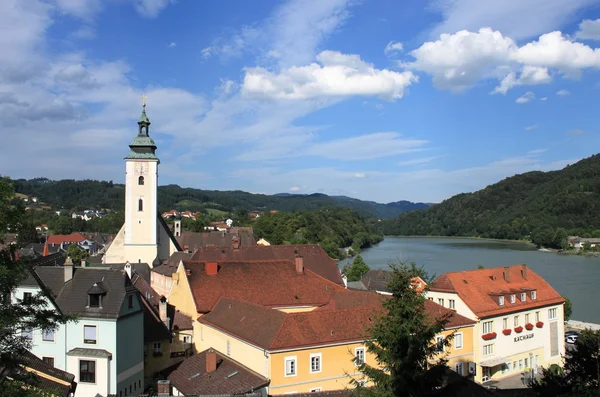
(84,32)
(172,44)
(589,30)
(360,175)
(150,8)
(336,75)
(457,61)
(536,152)
(544,98)
(84,9)
(576,131)
(526,97)
(512,17)
(418,161)
(295,189)
(531,127)
(393,46)
(563,93)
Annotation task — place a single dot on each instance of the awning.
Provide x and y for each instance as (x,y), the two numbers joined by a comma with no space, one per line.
(492,362)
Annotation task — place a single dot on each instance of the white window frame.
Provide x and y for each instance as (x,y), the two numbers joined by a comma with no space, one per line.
(310,361)
(516,321)
(488,326)
(513,298)
(501,300)
(461,366)
(364,355)
(293,359)
(451,304)
(527,316)
(523,296)
(533,295)
(537,317)
(505,323)
(462,342)
(439,343)
(441,301)
(44,334)
(488,350)
(552,314)
(96,334)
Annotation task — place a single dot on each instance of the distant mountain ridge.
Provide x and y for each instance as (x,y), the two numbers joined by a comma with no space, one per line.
(82,194)
(542,206)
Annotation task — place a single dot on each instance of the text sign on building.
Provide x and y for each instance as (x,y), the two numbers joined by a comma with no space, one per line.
(523,337)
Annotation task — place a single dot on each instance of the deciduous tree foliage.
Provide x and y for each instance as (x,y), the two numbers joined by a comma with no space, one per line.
(401,338)
(544,207)
(32,314)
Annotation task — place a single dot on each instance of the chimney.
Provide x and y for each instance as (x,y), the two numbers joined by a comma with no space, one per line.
(163,388)
(127,268)
(235,242)
(211,268)
(186,248)
(524,271)
(83,263)
(68,268)
(507,274)
(299,264)
(162,310)
(46,251)
(211,361)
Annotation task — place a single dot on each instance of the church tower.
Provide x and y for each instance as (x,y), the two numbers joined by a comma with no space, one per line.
(144,237)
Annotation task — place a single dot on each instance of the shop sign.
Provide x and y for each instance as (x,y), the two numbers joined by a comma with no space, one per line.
(523,337)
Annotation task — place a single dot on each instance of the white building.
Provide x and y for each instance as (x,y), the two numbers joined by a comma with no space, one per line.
(104,349)
(144,237)
(520,318)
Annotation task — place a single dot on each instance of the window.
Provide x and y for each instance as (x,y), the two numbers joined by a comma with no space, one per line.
(359,356)
(516,321)
(552,314)
(157,347)
(315,362)
(27,297)
(140,205)
(526,318)
(228,348)
(508,366)
(48,335)
(520,364)
(95,300)
(48,360)
(526,362)
(523,296)
(458,340)
(514,365)
(187,339)
(458,368)
(488,327)
(537,316)
(513,298)
(439,341)
(488,349)
(89,334)
(130,301)
(533,295)
(290,366)
(27,333)
(505,323)
(430,298)
(501,300)
(141,180)
(441,301)
(451,303)
(315,390)
(87,371)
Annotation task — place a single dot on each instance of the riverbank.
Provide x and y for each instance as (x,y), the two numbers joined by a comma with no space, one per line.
(526,242)
(591,254)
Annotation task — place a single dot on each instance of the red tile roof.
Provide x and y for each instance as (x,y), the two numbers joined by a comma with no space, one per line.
(267,283)
(315,257)
(220,239)
(480,288)
(229,378)
(66,238)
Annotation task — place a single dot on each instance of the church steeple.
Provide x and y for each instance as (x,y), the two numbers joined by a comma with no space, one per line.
(142,146)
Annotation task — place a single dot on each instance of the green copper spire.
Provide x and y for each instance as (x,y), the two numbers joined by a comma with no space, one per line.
(142,146)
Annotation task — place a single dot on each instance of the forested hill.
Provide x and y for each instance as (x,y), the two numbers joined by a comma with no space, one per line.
(543,206)
(72,194)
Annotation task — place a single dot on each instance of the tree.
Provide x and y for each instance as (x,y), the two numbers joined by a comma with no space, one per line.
(77,254)
(33,313)
(568,308)
(355,271)
(401,339)
(581,375)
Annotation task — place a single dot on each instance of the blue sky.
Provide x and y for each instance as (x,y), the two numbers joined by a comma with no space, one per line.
(380,100)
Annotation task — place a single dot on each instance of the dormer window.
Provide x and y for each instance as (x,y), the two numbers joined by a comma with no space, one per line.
(95,295)
(501,300)
(523,296)
(533,295)
(513,298)
(95,300)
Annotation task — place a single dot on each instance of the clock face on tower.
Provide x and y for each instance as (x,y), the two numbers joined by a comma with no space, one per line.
(141,168)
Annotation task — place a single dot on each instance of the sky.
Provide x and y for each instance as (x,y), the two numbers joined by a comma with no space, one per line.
(380,100)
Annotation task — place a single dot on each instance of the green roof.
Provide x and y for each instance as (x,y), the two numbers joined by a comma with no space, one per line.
(144,118)
(142,140)
(142,156)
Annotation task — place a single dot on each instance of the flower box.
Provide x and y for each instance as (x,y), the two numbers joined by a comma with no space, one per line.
(519,329)
(528,326)
(507,331)
(489,336)
(539,324)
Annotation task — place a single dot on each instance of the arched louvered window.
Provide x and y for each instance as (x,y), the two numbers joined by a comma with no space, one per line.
(141,180)
(140,205)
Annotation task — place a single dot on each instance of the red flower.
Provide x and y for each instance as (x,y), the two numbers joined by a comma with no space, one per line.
(529,326)
(539,324)
(519,329)
(488,336)
(506,331)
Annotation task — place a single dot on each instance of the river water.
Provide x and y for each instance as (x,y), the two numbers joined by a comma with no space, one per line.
(576,277)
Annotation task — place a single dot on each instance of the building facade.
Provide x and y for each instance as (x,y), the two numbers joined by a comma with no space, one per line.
(520,318)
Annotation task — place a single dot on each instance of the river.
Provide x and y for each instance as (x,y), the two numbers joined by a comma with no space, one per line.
(576,277)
